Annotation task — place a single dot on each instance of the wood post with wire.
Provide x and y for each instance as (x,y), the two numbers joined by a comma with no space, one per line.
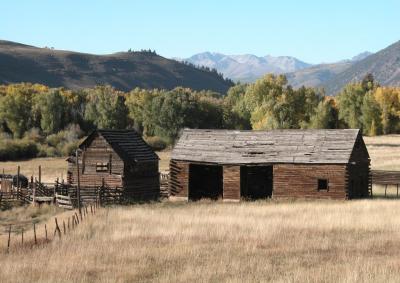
(9,239)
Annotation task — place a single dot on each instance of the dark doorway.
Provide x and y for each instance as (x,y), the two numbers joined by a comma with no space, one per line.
(256,182)
(205,181)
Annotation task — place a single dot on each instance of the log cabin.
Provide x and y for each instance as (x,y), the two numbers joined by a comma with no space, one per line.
(233,165)
(120,159)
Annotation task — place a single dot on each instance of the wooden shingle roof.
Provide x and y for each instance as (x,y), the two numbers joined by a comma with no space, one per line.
(275,146)
(128,144)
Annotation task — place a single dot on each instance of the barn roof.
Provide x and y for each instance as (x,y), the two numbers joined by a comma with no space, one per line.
(128,144)
(275,146)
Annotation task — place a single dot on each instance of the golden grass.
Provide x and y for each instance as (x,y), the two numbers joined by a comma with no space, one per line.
(356,241)
(165,156)
(22,219)
(384,152)
(53,168)
(318,241)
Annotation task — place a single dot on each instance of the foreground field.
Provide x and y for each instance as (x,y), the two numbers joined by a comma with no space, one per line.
(355,241)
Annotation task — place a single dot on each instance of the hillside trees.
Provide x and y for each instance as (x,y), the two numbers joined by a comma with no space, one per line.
(52,108)
(325,116)
(16,107)
(273,104)
(106,108)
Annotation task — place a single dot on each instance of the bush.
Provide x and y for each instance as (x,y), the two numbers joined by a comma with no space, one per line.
(47,151)
(34,135)
(17,149)
(69,148)
(156,143)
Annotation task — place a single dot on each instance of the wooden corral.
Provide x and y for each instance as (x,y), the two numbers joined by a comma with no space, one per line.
(116,159)
(331,164)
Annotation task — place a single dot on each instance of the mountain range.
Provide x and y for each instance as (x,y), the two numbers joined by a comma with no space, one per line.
(247,67)
(384,65)
(122,70)
(127,70)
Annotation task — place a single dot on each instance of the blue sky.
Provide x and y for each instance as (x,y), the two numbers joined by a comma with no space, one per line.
(313,31)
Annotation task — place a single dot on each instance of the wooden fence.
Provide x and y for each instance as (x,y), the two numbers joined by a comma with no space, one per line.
(386,178)
(164,185)
(17,235)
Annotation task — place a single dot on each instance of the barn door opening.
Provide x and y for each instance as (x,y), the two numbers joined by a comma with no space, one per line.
(205,181)
(256,182)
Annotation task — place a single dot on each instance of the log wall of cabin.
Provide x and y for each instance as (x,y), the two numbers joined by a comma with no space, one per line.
(231,182)
(99,151)
(301,181)
(142,180)
(179,179)
(358,171)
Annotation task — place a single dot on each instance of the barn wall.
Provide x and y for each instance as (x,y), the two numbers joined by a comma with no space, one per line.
(358,171)
(179,179)
(142,180)
(301,181)
(98,151)
(231,183)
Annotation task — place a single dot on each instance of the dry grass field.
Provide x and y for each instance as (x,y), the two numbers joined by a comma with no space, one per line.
(313,241)
(356,241)
(53,168)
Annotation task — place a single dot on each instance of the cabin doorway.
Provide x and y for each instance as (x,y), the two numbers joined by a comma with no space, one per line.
(205,181)
(256,182)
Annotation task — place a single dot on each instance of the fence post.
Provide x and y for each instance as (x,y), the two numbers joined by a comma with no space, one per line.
(78,189)
(58,231)
(18,173)
(45,230)
(34,232)
(40,174)
(2,180)
(55,191)
(22,236)
(33,192)
(9,239)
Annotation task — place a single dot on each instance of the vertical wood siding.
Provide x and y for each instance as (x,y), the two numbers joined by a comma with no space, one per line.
(231,182)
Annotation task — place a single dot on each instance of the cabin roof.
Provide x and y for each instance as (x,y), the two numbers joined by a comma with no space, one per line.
(128,144)
(275,146)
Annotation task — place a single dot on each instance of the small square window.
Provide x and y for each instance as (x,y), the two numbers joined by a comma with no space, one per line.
(323,185)
(101,167)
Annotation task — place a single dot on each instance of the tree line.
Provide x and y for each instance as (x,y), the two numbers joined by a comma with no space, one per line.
(57,118)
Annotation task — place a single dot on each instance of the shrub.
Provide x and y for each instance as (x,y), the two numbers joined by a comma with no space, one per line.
(69,148)
(17,149)
(156,143)
(47,151)
(34,135)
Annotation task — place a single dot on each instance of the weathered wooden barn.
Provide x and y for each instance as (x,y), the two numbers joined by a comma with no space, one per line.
(234,165)
(120,159)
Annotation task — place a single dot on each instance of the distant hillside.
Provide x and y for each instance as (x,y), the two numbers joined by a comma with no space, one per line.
(318,75)
(124,70)
(246,68)
(384,65)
